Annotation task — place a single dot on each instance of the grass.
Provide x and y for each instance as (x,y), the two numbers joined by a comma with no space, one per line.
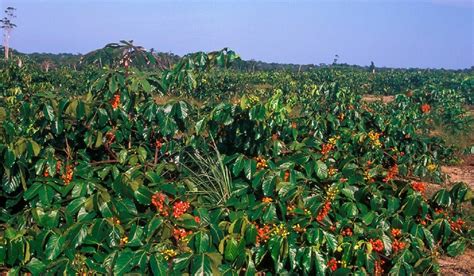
(208,177)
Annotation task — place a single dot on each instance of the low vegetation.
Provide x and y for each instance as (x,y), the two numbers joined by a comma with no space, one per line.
(192,167)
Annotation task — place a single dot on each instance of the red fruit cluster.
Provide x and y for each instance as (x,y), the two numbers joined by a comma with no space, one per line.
(179,208)
(347,232)
(197,219)
(158,200)
(425,108)
(398,245)
(422,220)
(180,234)
(378,270)
(67,177)
(263,233)
(457,225)
(290,209)
(267,200)
(396,232)
(440,211)
(392,172)
(158,144)
(46,172)
(261,162)
(287,176)
(332,264)
(419,186)
(324,211)
(377,245)
(115,102)
(326,148)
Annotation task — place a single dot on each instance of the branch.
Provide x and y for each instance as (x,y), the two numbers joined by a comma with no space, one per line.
(93,163)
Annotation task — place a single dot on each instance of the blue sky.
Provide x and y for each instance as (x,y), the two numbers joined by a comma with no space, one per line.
(402,33)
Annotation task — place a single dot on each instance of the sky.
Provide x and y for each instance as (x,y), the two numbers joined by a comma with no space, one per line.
(401,33)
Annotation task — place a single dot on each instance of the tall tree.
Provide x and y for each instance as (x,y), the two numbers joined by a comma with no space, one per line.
(7,26)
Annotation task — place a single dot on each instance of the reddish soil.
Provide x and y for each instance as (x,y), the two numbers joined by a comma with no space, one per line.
(376,98)
(457,266)
(462,173)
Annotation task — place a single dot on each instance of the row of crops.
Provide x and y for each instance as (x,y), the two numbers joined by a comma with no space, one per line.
(201,170)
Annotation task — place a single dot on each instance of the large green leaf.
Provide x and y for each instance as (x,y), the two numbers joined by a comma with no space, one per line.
(201,265)
(54,246)
(158,265)
(124,262)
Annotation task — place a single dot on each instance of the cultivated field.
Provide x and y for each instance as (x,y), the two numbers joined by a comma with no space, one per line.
(125,161)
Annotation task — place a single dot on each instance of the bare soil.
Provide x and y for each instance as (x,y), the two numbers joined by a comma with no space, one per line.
(461,173)
(457,266)
(376,98)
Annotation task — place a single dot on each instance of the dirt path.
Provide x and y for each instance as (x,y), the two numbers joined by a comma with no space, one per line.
(464,264)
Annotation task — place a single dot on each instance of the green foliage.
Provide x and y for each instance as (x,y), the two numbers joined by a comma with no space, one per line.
(304,177)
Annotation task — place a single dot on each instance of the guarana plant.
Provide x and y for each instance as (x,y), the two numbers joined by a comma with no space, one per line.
(302,177)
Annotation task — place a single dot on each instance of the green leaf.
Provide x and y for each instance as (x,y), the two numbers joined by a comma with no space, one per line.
(181,262)
(457,248)
(142,154)
(143,195)
(77,235)
(331,240)
(54,246)
(268,186)
(10,183)
(124,262)
(238,165)
(249,167)
(350,209)
(135,236)
(9,158)
(231,249)
(442,198)
(321,169)
(32,191)
(412,205)
(270,214)
(275,244)
(307,258)
(36,147)
(48,112)
(35,266)
(320,264)
(201,242)
(201,265)
(159,266)
(368,218)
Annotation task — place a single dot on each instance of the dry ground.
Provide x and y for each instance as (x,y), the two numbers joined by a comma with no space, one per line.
(375,98)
